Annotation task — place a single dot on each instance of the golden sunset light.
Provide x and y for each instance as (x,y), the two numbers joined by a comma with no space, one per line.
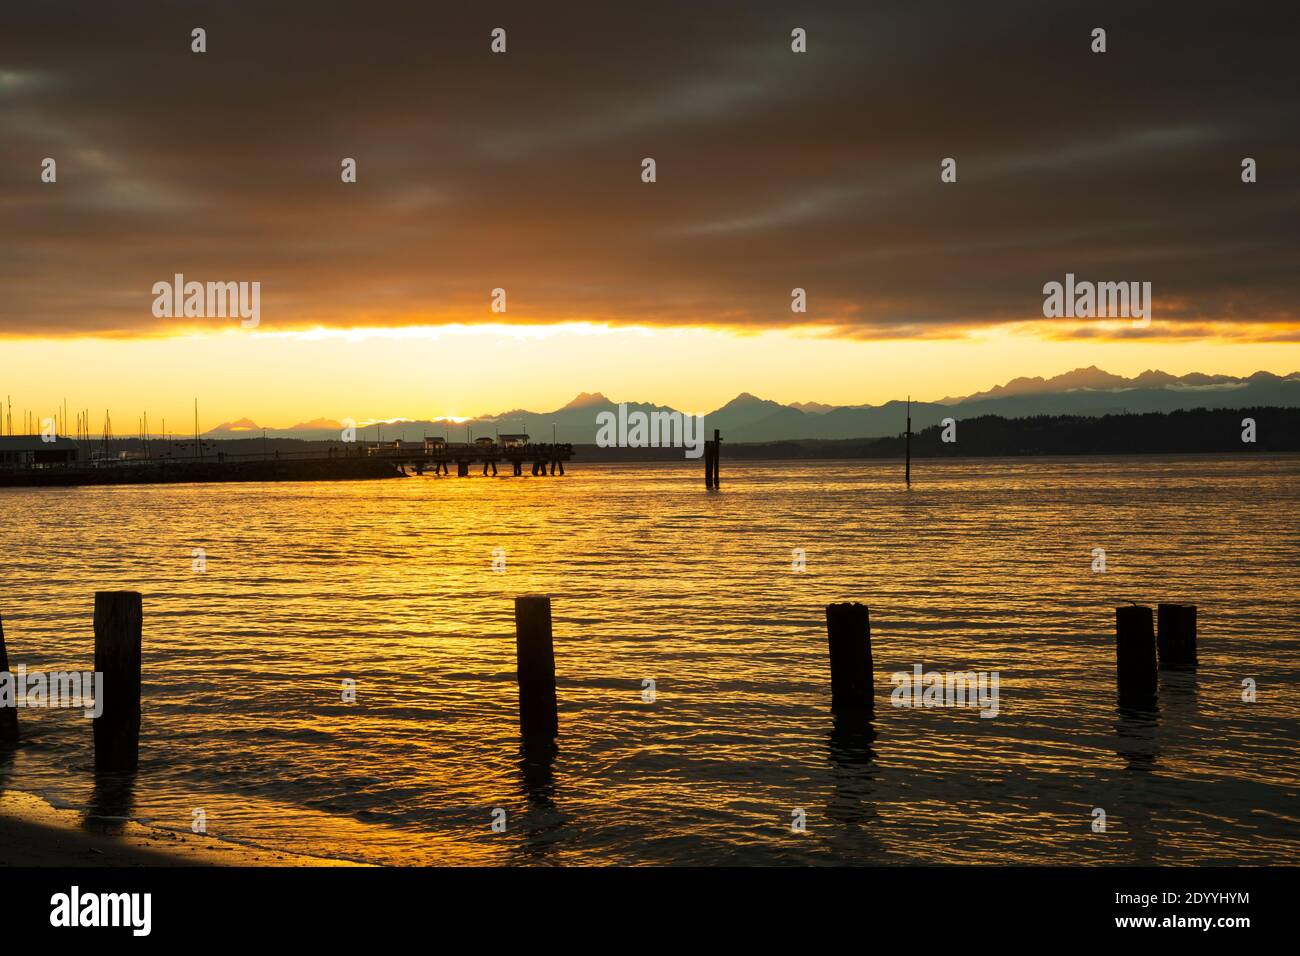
(279,379)
(560,459)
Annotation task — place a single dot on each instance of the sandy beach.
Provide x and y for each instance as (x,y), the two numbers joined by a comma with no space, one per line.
(34,833)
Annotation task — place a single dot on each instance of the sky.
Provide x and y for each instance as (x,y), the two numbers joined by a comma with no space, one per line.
(522,171)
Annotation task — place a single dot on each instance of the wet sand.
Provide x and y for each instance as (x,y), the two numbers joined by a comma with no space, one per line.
(33,833)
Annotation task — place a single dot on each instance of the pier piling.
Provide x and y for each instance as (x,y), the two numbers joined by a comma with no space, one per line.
(717,456)
(535,660)
(848,629)
(118,621)
(8,715)
(1176,636)
(907,444)
(711,460)
(1135,654)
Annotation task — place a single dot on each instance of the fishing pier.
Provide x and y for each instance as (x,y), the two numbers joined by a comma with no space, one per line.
(31,461)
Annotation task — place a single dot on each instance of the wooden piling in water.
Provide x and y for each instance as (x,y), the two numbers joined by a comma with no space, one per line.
(1135,654)
(1176,636)
(717,456)
(907,442)
(118,622)
(8,715)
(711,460)
(535,661)
(848,631)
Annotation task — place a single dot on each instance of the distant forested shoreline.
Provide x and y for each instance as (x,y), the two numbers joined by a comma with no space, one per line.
(1194,431)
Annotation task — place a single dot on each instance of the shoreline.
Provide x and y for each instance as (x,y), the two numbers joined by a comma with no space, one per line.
(164,472)
(35,833)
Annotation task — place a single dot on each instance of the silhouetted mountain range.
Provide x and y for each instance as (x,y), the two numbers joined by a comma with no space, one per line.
(1085,392)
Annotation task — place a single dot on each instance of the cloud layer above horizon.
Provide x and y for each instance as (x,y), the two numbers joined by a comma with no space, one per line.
(775,170)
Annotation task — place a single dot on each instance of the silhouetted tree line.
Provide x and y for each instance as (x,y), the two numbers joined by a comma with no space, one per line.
(1192,431)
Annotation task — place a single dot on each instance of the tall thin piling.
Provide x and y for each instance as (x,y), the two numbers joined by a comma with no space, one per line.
(717,457)
(1135,654)
(907,445)
(535,660)
(118,622)
(8,715)
(712,457)
(848,630)
(1176,636)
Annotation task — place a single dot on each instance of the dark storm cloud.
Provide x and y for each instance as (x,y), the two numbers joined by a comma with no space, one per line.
(522,171)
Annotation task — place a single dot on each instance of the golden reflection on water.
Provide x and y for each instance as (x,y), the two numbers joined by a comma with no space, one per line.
(982,566)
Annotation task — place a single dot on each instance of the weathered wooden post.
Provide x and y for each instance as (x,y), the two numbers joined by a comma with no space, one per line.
(535,660)
(8,715)
(907,442)
(712,458)
(848,629)
(118,620)
(717,456)
(1135,654)
(1176,636)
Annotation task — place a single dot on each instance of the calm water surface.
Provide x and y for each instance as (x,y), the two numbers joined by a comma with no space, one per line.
(982,566)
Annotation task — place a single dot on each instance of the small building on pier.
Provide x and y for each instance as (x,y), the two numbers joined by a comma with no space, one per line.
(514,441)
(33,451)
